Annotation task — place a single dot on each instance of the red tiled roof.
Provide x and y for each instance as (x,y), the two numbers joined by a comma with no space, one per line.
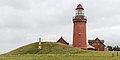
(92,41)
(61,40)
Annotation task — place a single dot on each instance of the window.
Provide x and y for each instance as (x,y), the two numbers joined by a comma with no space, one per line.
(79,33)
(98,43)
(78,43)
(79,12)
(95,43)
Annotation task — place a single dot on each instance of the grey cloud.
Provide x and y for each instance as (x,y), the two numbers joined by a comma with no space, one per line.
(18,4)
(23,21)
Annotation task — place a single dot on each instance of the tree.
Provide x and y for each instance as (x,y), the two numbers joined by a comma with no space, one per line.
(110,48)
(115,48)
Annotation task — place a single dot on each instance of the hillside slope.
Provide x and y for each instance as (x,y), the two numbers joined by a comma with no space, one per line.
(47,48)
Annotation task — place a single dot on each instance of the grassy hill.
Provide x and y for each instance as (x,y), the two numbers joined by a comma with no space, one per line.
(47,48)
(56,51)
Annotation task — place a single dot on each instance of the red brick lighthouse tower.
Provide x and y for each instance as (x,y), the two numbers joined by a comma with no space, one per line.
(79,31)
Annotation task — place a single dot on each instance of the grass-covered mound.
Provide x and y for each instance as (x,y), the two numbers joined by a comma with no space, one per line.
(56,51)
(47,48)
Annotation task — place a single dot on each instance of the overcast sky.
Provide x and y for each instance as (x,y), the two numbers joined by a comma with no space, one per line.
(23,21)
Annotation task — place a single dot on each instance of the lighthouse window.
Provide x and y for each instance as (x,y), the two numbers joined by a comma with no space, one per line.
(79,34)
(79,12)
(78,43)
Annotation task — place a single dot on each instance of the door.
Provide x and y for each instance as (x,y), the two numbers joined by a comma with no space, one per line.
(98,49)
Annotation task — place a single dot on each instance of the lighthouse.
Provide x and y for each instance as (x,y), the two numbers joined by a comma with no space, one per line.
(79,28)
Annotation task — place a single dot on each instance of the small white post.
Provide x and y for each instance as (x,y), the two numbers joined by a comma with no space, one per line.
(113,53)
(39,45)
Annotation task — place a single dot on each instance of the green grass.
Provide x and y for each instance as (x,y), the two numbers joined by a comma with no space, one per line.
(56,51)
(59,57)
(47,48)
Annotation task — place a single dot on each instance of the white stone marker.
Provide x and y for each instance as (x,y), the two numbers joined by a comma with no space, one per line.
(39,45)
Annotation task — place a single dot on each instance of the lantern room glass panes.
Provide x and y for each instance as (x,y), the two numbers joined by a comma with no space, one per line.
(79,12)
